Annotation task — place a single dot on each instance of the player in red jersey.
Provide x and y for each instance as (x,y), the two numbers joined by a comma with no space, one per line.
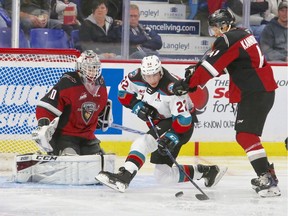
(69,113)
(252,86)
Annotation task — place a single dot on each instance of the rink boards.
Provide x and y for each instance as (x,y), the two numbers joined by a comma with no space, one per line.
(213,135)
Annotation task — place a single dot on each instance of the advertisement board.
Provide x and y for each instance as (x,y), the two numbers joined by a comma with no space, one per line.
(185,44)
(174,27)
(158,10)
(216,115)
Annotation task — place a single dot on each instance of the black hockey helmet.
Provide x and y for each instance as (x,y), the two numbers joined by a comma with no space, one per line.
(221,17)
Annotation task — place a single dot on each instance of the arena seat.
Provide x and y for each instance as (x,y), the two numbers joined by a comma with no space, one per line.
(5,38)
(48,38)
(74,40)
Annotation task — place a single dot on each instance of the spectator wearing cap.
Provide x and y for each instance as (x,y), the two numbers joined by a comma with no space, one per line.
(273,40)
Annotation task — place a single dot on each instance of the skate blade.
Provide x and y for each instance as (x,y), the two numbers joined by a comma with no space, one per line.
(118,186)
(222,171)
(271,192)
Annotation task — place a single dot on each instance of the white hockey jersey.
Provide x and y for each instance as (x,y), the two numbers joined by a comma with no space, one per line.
(133,89)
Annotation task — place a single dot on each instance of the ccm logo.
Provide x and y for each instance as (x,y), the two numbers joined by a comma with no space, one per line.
(46,158)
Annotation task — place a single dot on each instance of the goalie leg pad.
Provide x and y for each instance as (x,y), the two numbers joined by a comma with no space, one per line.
(71,170)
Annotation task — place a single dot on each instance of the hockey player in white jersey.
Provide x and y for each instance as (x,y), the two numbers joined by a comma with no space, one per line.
(147,91)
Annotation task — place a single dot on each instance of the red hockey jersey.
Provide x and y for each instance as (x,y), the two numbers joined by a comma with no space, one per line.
(77,108)
(236,52)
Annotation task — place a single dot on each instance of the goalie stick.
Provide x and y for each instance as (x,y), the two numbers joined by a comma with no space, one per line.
(201,196)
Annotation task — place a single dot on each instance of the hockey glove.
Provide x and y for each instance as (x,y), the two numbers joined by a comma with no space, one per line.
(189,71)
(167,143)
(143,110)
(181,87)
(43,134)
(105,119)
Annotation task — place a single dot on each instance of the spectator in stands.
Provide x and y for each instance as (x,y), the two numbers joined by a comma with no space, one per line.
(261,12)
(273,40)
(204,9)
(143,41)
(34,14)
(114,8)
(3,14)
(67,14)
(99,32)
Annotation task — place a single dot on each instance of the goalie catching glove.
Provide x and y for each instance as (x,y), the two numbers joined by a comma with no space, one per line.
(44,132)
(105,119)
(167,142)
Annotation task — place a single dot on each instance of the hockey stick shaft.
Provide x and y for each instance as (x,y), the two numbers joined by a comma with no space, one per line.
(201,196)
(203,57)
(199,62)
(121,127)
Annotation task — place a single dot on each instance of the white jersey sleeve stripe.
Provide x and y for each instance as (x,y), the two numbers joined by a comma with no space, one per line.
(50,108)
(210,68)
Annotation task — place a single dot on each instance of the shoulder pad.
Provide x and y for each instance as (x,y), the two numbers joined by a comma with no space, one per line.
(70,77)
(134,73)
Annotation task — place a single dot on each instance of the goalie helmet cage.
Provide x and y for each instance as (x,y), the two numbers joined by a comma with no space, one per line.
(26,76)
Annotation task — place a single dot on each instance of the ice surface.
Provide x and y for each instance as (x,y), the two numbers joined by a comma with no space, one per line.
(232,196)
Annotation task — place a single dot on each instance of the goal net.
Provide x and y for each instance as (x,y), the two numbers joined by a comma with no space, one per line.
(26,76)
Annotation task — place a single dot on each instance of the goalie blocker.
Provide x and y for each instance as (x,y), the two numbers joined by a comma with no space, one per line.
(70,170)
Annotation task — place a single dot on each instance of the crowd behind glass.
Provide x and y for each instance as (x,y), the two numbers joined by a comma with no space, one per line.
(100,25)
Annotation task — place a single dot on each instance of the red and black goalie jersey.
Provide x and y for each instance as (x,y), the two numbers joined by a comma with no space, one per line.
(77,108)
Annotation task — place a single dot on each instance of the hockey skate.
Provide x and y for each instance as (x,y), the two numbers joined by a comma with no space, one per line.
(211,174)
(117,181)
(266,184)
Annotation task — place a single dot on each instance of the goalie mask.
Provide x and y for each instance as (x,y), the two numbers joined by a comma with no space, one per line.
(89,67)
(222,19)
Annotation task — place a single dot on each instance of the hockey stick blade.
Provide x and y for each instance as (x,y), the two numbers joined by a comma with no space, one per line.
(202,197)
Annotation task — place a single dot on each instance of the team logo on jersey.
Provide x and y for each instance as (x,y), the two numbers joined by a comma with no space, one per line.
(87,111)
(158,97)
(200,98)
(170,87)
(133,73)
